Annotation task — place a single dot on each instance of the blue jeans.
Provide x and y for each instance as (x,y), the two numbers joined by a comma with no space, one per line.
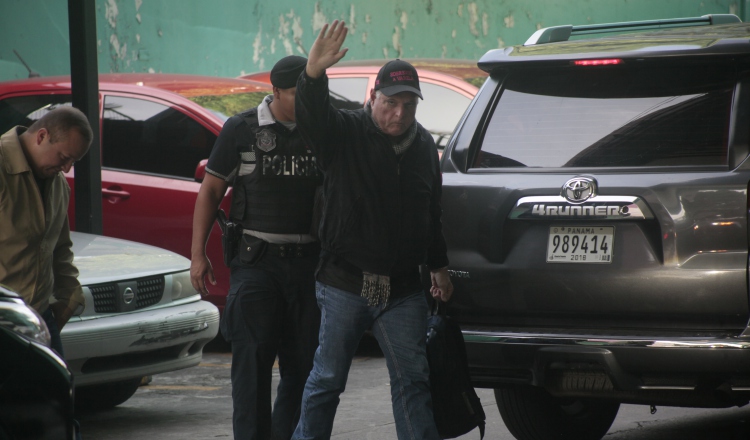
(400,329)
(270,311)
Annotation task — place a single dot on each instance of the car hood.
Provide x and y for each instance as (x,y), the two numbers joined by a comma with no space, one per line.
(104,259)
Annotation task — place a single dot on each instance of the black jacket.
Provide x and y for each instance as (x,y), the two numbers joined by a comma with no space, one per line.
(382,211)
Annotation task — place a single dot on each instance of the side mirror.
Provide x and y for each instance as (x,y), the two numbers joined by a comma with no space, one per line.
(200,170)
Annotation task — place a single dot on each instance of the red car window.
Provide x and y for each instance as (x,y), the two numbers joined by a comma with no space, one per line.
(145,136)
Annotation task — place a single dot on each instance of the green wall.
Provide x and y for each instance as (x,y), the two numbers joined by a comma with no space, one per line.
(231,37)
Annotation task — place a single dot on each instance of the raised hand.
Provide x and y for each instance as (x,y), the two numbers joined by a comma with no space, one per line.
(326,50)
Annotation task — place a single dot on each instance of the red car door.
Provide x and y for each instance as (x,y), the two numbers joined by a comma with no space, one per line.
(150,151)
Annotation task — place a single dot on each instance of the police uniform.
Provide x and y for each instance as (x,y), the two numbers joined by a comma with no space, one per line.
(271,307)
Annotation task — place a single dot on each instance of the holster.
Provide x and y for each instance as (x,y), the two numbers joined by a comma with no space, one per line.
(230,236)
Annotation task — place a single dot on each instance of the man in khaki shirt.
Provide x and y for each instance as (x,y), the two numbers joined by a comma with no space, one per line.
(36,259)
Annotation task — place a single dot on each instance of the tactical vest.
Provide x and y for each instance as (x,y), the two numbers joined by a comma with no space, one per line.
(274,188)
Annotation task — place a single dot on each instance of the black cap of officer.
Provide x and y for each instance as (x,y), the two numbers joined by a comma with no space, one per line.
(398,76)
(286,71)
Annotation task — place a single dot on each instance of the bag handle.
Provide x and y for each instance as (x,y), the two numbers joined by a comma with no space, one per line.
(437,308)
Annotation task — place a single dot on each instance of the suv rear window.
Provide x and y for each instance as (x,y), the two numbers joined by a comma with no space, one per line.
(613,116)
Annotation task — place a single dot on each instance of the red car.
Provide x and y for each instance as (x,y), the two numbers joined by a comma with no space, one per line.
(448,86)
(157,130)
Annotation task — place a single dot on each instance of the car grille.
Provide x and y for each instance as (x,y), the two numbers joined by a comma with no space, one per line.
(104,297)
(150,291)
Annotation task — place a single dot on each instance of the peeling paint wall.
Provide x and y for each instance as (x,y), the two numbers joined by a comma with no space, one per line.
(232,37)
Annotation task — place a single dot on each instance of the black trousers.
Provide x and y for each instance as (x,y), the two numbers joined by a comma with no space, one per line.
(56,344)
(271,310)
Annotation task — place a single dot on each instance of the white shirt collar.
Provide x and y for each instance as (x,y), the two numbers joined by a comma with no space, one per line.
(265,117)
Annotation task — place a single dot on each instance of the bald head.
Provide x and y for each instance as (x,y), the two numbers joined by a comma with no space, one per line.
(61,120)
(56,141)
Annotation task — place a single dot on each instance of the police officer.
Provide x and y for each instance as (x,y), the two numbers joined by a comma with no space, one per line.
(271,307)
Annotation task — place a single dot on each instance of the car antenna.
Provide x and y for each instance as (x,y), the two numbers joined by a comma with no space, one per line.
(32,74)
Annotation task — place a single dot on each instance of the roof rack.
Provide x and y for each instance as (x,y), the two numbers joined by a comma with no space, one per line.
(564,32)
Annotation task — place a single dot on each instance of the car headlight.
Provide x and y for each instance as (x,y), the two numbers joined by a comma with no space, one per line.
(24,321)
(181,285)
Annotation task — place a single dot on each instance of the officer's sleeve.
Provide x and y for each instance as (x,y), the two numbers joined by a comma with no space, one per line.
(225,155)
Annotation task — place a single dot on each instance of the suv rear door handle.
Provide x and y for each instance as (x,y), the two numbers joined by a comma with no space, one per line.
(115,193)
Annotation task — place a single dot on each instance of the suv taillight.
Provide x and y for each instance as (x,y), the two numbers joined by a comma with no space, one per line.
(602,62)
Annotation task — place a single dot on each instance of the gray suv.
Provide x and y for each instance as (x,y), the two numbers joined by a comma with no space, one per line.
(596,212)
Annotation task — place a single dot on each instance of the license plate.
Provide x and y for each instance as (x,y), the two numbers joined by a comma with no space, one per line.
(580,244)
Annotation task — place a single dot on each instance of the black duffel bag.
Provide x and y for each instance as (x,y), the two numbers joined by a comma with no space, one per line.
(455,404)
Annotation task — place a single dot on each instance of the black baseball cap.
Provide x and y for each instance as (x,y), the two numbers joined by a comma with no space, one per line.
(398,76)
(286,71)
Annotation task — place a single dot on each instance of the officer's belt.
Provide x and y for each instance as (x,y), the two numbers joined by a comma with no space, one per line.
(293,250)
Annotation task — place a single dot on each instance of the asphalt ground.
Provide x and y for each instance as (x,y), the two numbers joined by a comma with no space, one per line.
(195,403)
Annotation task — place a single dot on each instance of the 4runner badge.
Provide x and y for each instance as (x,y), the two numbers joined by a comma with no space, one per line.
(579,189)
(266,140)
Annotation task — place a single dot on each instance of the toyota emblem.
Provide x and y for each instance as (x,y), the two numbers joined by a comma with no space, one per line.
(579,189)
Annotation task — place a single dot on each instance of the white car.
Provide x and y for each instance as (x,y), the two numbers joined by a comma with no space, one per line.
(142,317)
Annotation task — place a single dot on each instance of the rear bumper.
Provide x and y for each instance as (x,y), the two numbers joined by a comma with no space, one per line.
(631,364)
(142,343)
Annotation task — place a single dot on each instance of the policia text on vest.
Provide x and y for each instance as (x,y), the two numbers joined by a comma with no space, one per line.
(290,166)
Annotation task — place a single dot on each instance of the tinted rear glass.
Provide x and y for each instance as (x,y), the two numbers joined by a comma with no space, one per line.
(614,116)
